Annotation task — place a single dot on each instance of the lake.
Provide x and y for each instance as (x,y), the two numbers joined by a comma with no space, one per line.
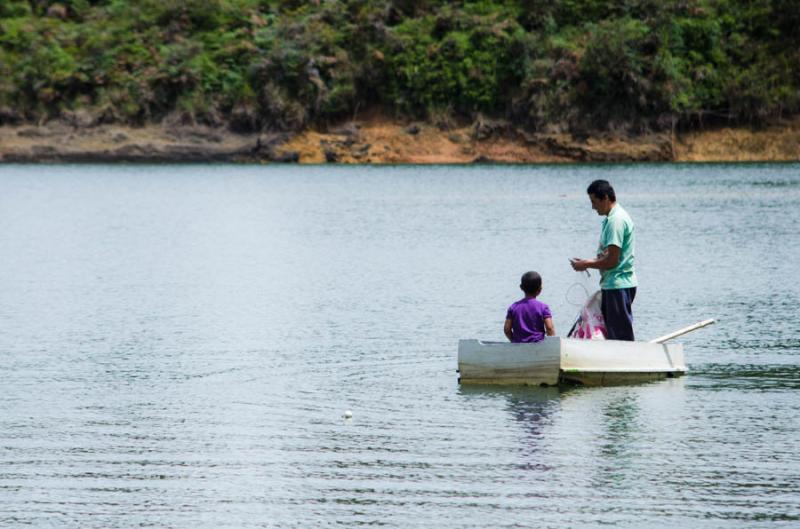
(178,345)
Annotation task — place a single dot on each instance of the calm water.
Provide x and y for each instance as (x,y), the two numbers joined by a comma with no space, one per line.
(178,345)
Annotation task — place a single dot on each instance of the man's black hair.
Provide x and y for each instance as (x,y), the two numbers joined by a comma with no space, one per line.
(530,283)
(602,189)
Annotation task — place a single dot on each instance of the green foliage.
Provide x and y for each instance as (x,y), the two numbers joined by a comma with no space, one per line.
(278,64)
(465,61)
(14,8)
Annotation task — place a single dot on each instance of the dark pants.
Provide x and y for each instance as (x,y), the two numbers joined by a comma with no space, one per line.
(617,313)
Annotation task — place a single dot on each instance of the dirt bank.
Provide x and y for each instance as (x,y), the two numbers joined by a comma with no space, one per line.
(378,140)
(778,143)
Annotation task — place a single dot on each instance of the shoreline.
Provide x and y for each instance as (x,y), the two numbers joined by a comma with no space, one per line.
(378,141)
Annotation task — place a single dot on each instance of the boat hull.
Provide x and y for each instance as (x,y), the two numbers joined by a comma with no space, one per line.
(565,360)
(509,363)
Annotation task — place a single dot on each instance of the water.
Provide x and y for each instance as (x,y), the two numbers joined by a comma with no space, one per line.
(178,345)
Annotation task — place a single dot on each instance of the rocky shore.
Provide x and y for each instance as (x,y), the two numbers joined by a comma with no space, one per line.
(382,141)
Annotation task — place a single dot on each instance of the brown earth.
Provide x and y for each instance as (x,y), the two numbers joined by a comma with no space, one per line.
(57,142)
(776,143)
(377,140)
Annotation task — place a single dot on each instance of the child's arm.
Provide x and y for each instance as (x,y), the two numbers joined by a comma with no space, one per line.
(549,328)
(507,329)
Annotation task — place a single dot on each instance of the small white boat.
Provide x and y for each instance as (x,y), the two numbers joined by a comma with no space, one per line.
(557,360)
(567,360)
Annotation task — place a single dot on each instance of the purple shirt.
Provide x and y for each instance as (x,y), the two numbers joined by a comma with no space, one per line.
(527,320)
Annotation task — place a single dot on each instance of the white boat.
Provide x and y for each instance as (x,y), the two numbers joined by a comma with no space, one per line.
(568,360)
(557,360)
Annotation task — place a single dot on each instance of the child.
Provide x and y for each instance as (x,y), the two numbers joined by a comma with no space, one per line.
(529,319)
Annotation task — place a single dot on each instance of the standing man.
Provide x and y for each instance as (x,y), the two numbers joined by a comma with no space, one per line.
(614,260)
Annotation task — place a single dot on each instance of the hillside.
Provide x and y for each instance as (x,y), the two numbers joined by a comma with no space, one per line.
(253,66)
(524,80)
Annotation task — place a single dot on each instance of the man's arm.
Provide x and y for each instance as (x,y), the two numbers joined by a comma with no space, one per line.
(549,328)
(507,329)
(608,259)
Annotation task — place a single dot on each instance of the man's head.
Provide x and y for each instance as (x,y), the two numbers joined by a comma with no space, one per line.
(531,283)
(602,196)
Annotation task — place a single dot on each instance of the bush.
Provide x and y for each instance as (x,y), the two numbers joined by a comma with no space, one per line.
(548,65)
(464,62)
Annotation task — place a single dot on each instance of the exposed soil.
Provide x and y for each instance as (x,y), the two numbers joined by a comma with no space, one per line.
(776,143)
(378,140)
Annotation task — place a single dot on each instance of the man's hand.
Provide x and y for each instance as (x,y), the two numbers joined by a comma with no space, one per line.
(609,258)
(579,265)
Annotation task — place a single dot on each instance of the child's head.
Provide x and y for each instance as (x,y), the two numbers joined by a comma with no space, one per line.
(531,283)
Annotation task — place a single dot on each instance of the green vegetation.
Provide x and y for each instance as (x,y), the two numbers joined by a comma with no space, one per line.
(577,65)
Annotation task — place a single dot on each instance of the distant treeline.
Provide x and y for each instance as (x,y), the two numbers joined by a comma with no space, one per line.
(578,65)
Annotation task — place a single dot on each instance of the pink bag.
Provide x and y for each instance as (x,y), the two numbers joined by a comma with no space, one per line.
(590,324)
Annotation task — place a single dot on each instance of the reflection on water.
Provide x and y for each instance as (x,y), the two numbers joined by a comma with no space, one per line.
(531,407)
(178,346)
(617,450)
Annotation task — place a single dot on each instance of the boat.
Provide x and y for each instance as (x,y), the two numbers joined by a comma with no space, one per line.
(557,360)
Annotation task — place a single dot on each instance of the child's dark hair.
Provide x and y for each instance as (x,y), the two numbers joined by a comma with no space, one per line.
(530,283)
(602,189)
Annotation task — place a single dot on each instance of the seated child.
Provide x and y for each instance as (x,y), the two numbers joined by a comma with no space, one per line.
(529,319)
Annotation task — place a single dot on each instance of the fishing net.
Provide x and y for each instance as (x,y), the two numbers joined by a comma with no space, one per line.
(589,324)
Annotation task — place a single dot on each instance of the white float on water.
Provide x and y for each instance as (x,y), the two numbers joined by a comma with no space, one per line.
(555,360)
(348,414)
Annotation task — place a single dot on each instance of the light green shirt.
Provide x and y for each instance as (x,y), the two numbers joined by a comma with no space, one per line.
(617,230)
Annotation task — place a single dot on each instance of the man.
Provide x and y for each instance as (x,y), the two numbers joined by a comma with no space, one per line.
(614,260)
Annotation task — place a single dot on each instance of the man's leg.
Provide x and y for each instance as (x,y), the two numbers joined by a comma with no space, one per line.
(618,313)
